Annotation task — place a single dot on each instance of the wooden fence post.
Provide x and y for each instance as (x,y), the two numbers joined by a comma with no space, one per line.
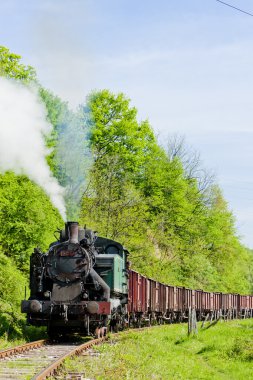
(192,322)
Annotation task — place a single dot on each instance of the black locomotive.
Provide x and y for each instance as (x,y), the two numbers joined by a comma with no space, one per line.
(79,285)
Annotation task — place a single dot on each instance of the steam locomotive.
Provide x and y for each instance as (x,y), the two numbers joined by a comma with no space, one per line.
(79,285)
(84,284)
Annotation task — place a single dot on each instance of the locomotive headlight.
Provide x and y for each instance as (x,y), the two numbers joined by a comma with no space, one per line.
(47,294)
(35,306)
(92,307)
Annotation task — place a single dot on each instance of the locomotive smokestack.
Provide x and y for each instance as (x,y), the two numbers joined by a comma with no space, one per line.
(73,232)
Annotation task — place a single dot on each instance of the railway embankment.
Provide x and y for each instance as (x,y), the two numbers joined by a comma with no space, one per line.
(223,351)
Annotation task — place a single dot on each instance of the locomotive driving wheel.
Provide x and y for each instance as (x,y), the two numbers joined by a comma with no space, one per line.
(100,332)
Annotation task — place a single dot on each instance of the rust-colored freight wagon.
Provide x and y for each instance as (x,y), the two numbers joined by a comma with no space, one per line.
(162,299)
(251,302)
(243,303)
(171,298)
(154,296)
(143,294)
(225,301)
(206,302)
(198,301)
(234,298)
(138,295)
(180,299)
(217,301)
(188,299)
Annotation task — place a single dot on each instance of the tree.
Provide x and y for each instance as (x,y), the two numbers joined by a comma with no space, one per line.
(11,67)
(27,218)
(112,203)
(191,161)
(114,128)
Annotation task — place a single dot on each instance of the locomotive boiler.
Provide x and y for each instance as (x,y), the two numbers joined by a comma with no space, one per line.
(79,285)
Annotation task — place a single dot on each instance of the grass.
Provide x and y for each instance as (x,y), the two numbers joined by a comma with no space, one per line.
(5,343)
(29,334)
(224,351)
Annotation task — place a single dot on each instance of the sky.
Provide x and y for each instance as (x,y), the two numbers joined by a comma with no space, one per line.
(186,65)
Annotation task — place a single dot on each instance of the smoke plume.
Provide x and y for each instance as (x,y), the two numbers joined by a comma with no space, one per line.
(23,126)
(74,160)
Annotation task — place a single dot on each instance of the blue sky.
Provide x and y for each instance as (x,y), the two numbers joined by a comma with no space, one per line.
(186,65)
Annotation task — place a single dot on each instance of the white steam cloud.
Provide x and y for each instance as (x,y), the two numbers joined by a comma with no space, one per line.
(23,126)
(74,158)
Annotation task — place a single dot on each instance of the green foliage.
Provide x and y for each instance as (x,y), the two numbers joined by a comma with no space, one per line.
(115,130)
(27,218)
(11,67)
(12,289)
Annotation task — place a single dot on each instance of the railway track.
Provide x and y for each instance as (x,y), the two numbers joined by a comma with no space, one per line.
(38,360)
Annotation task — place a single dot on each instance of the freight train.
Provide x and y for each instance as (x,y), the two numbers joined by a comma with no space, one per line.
(84,284)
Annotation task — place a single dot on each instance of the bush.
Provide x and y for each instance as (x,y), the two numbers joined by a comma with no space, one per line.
(12,287)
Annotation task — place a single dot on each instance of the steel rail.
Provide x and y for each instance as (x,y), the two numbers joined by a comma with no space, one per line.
(22,348)
(51,369)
